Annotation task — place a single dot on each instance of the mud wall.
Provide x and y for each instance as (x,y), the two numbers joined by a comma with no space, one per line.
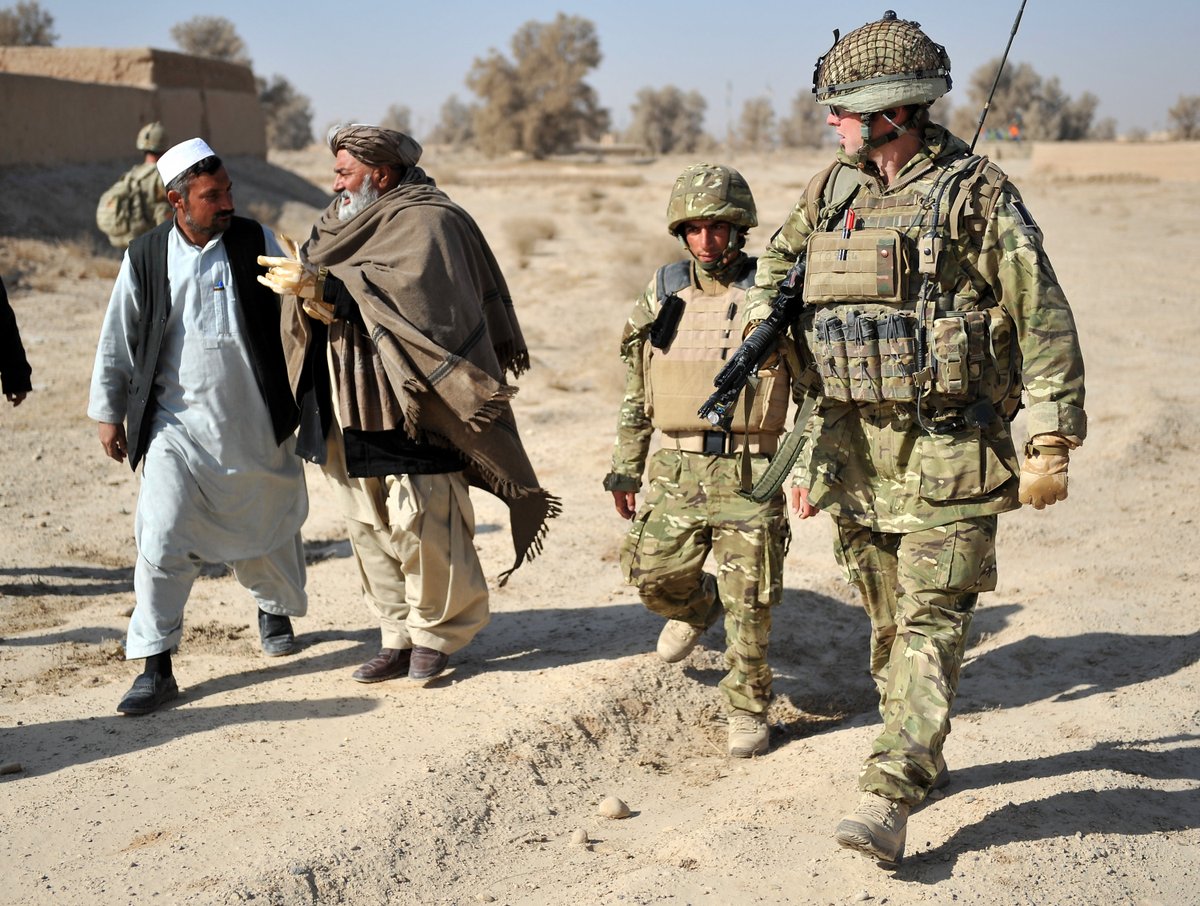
(78,105)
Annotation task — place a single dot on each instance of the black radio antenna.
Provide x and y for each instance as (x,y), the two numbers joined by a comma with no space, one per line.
(988,103)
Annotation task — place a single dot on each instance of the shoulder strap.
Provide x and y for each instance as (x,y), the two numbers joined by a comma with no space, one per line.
(673,277)
(827,192)
(746,280)
(975,200)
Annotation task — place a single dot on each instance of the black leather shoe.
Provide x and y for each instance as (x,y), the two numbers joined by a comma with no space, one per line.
(388,664)
(149,692)
(426,663)
(275,631)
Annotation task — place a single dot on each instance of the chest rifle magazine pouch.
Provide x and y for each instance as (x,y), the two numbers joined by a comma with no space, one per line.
(862,355)
(829,335)
(898,356)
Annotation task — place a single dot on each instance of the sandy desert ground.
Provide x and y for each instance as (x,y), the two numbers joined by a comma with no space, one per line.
(1075,755)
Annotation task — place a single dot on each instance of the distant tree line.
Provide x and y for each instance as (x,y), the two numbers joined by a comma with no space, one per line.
(535,99)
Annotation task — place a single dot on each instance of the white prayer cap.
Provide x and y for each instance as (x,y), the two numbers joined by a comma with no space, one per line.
(179,157)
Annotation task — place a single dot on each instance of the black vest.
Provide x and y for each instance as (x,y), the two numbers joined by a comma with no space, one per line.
(244,242)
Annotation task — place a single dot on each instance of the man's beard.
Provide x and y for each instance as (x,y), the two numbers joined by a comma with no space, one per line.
(212,228)
(359,201)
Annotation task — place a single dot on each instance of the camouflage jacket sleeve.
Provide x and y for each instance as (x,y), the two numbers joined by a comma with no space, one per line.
(634,428)
(1014,263)
(783,250)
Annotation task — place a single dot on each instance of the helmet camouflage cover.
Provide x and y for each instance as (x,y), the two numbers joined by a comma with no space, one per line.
(711,192)
(884,64)
(152,137)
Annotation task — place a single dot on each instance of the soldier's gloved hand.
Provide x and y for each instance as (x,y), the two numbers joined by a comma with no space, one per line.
(1044,472)
(288,276)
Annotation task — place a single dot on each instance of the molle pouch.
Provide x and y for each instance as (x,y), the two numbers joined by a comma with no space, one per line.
(830,353)
(865,266)
(898,356)
(662,330)
(958,345)
(862,355)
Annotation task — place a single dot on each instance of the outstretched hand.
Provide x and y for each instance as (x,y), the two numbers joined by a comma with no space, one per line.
(291,276)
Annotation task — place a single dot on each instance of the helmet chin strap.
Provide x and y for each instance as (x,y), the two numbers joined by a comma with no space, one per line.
(737,239)
(870,144)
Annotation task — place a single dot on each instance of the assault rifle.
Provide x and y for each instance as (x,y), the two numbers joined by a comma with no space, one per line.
(748,358)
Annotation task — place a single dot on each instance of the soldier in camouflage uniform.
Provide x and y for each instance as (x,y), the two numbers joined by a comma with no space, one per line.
(929,303)
(142,180)
(682,327)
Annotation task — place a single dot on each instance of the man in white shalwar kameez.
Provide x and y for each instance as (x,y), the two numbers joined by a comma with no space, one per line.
(190,358)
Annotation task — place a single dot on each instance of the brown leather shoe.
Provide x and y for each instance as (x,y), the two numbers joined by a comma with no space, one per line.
(388,664)
(426,663)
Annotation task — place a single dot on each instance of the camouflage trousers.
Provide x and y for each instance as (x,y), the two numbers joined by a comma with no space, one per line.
(691,508)
(919,589)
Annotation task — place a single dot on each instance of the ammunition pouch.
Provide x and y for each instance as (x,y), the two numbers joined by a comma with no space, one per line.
(868,354)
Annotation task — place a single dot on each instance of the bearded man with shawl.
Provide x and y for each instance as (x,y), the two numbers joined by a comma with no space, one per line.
(399,332)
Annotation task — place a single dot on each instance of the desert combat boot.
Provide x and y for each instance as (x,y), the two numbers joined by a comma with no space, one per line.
(876,829)
(749,734)
(677,640)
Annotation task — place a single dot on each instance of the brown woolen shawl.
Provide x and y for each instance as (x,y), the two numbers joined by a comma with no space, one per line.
(442,334)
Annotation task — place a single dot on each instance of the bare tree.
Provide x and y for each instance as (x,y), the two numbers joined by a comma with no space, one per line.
(211,36)
(454,124)
(288,114)
(666,120)
(805,126)
(1038,107)
(1185,117)
(26,25)
(1103,131)
(397,117)
(537,102)
(756,126)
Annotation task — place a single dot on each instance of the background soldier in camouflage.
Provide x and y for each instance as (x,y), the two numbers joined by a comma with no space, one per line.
(137,202)
(682,327)
(929,301)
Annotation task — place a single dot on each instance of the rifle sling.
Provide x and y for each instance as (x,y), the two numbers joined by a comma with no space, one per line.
(781,463)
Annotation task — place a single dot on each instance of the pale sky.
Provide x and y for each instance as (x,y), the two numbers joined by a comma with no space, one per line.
(356,59)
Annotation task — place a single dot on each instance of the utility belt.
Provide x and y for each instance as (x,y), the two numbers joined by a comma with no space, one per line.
(871,353)
(719,443)
(980,413)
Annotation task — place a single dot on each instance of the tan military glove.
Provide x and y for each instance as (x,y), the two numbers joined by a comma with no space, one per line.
(1044,472)
(296,277)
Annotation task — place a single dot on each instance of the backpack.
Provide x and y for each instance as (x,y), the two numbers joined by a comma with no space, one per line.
(124,211)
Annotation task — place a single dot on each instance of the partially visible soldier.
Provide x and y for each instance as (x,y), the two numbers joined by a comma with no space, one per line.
(683,326)
(137,202)
(929,303)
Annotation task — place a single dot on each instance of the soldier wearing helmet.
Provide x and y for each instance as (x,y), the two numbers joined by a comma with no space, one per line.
(932,314)
(682,327)
(137,202)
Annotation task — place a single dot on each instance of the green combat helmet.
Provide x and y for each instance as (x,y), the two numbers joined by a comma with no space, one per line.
(152,137)
(712,192)
(880,66)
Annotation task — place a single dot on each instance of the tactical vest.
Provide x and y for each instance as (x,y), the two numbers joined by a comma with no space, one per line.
(679,378)
(895,308)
